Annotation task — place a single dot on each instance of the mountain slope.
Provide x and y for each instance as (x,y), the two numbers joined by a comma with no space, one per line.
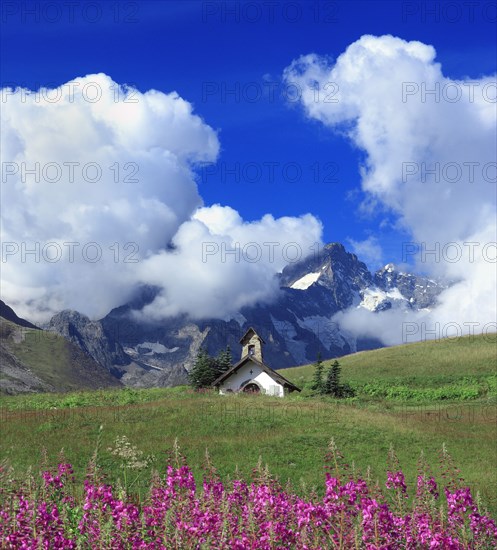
(33,360)
(100,341)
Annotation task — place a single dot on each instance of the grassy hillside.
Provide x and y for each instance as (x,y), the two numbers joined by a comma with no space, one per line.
(290,435)
(32,359)
(461,368)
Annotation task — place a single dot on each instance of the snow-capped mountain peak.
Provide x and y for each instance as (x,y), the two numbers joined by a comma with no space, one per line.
(297,325)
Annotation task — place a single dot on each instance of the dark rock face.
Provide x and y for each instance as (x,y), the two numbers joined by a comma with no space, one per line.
(420,291)
(91,337)
(295,326)
(99,339)
(340,273)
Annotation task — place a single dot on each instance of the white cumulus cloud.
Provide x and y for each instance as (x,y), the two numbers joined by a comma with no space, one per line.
(430,144)
(98,181)
(222,263)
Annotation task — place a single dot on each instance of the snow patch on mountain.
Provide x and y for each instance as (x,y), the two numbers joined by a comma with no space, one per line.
(373,298)
(306,281)
(151,348)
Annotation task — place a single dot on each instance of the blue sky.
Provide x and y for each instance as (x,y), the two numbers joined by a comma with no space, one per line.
(204,49)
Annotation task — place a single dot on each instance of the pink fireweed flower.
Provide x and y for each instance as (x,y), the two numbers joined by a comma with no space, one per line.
(396,481)
(459,501)
(64,474)
(257,516)
(483,528)
(426,488)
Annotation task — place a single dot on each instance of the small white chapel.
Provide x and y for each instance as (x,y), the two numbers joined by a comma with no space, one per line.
(251,374)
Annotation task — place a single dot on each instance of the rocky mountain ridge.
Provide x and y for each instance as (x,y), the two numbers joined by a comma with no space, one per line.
(296,325)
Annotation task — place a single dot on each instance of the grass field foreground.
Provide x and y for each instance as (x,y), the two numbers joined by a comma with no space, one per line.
(290,435)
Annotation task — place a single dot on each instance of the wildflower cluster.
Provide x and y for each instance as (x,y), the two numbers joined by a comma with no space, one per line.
(177,513)
(131,457)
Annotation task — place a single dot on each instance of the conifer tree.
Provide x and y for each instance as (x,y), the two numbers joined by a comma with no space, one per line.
(318,384)
(332,385)
(207,369)
(223,361)
(202,373)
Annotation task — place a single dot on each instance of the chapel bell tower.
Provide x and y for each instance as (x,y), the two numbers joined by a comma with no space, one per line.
(252,345)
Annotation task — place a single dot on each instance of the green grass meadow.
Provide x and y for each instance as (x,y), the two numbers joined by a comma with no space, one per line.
(416,397)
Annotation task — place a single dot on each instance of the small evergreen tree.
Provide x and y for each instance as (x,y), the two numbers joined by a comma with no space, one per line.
(202,373)
(318,383)
(223,361)
(332,384)
(346,390)
(207,369)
